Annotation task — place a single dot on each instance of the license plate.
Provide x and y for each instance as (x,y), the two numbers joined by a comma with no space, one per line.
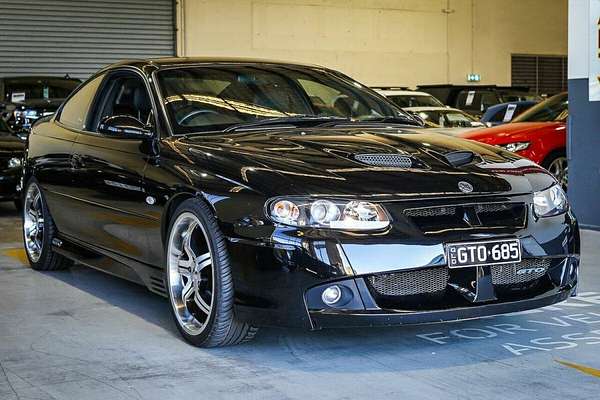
(472,254)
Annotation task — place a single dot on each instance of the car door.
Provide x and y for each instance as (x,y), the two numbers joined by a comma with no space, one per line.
(50,155)
(109,171)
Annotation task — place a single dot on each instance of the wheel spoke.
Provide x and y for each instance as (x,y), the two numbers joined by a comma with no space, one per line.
(205,308)
(187,291)
(187,242)
(185,268)
(203,261)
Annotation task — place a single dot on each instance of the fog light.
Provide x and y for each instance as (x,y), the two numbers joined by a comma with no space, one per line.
(331,295)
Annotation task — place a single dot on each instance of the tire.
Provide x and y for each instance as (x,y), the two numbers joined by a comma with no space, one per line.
(201,292)
(44,259)
(556,163)
(18,204)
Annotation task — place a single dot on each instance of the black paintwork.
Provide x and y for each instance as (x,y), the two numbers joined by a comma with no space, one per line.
(97,187)
(11,146)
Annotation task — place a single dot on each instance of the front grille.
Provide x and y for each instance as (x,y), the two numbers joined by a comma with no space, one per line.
(385,160)
(407,283)
(465,216)
(530,269)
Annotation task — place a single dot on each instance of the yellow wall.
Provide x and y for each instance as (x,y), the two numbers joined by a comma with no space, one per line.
(379,42)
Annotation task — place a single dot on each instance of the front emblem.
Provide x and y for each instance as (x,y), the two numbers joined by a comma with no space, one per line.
(465,187)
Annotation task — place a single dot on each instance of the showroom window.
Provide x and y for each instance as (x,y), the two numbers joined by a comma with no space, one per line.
(544,75)
(75,110)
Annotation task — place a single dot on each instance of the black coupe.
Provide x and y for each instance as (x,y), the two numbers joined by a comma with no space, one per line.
(256,193)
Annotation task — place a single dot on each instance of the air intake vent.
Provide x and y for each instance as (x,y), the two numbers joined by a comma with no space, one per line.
(385,160)
(157,285)
(527,270)
(407,283)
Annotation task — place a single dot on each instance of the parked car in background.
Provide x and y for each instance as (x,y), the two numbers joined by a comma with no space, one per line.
(505,112)
(31,97)
(445,119)
(12,149)
(255,193)
(475,99)
(539,134)
(405,98)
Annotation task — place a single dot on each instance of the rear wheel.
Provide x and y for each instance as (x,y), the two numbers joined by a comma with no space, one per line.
(199,279)
(38,232)
(558,166)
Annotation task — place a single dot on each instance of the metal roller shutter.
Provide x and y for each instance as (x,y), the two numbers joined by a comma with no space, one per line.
(58,37)
(542,74)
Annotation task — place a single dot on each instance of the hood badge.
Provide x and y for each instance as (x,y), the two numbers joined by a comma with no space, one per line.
(465,187)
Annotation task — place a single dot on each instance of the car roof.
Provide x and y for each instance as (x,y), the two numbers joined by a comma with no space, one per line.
(401,92)
(166,62)
(431,108)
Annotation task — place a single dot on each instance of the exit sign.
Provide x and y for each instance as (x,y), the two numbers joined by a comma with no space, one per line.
(473,78)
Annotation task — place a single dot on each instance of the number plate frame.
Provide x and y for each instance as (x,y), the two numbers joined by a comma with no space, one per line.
(452,251)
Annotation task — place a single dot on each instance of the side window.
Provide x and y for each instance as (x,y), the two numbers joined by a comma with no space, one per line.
(124,95)
(75,111)
(498,116)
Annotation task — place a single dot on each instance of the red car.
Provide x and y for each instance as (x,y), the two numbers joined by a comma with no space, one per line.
(539,134)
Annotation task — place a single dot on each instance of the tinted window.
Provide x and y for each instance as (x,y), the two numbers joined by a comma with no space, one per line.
(124,95)
(75,110)
(26,88)
(476,99)
(415,101)
(214,98)
(556,108)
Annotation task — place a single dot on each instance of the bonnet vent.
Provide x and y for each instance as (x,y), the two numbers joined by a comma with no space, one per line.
(385,160)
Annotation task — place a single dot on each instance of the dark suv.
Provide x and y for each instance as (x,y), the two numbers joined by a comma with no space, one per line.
(24,99)
(475,99)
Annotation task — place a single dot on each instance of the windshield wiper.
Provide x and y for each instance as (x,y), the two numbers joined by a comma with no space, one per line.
(292,120)
(396,120)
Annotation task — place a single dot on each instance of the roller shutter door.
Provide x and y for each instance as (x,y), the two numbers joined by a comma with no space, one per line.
(58,37)
(542,74)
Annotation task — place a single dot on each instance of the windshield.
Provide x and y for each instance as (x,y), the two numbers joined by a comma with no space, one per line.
(556,108)
(21,89)
(447,118)
(211,98)
(404,100)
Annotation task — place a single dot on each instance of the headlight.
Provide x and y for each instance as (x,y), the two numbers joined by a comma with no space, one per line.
(14,162)
(343,215)
(514,147)
(549,202)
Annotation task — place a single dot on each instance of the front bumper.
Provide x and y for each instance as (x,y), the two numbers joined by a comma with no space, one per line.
(366,308)
(279,278)
(345,319)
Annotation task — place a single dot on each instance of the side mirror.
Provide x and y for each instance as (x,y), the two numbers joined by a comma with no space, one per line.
(124,126)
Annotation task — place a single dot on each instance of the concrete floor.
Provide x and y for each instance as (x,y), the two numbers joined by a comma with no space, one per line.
(81,334)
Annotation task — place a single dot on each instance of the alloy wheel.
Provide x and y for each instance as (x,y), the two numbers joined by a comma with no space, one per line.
(33,222)
(560,169)
(190,273)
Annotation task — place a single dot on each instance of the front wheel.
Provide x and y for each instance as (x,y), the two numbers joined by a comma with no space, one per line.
(199,279)
(558,166)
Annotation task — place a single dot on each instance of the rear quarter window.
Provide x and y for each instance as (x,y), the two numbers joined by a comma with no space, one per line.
(75,111)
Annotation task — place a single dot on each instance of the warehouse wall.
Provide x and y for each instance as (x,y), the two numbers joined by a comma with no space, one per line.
(397,42)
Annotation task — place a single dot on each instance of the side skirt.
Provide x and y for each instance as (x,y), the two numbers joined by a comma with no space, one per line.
(111,263)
